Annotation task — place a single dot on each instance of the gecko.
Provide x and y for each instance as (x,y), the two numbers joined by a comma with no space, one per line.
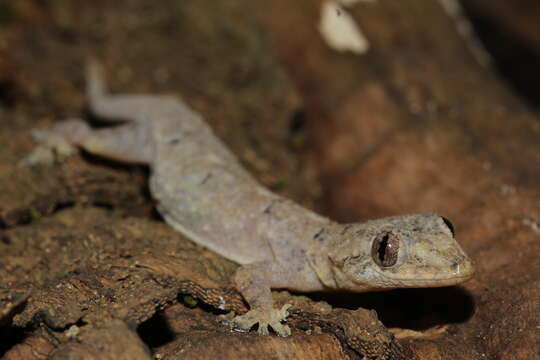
(201,189)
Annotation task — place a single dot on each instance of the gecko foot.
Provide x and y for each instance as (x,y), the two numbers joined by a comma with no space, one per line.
(54,143)
(264,318)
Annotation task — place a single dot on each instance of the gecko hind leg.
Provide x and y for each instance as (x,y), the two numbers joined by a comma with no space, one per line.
(120,108)
(253,282)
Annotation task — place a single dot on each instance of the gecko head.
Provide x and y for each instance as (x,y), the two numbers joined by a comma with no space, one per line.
(399,252)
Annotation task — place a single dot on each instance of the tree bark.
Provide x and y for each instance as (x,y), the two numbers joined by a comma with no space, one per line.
(414,124)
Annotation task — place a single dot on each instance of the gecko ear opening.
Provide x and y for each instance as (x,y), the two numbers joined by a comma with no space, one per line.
(385,249)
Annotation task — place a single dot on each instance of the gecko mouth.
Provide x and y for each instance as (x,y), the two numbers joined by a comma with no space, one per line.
(436,282)
(459,273)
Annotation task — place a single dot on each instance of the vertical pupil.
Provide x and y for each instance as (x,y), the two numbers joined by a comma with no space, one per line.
(385,249)
(382,249)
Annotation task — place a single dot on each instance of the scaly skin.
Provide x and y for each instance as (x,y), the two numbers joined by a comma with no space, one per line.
(201,190)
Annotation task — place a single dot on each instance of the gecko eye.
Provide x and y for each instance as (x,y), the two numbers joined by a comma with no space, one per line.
(449,224)
(385,249)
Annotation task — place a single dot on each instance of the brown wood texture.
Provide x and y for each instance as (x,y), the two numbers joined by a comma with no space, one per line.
(87,268)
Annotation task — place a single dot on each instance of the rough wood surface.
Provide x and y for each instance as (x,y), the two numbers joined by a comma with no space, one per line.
(87,268)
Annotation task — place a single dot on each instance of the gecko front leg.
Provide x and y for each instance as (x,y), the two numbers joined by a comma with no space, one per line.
(254,281)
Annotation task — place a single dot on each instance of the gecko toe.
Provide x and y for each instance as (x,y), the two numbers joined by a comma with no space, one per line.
(280,329)
(244,322)
(263,329)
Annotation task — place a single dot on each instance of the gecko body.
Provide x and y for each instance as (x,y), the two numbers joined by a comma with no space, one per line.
(201,189)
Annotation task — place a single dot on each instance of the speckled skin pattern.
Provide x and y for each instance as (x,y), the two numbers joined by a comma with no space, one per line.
(202,191)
